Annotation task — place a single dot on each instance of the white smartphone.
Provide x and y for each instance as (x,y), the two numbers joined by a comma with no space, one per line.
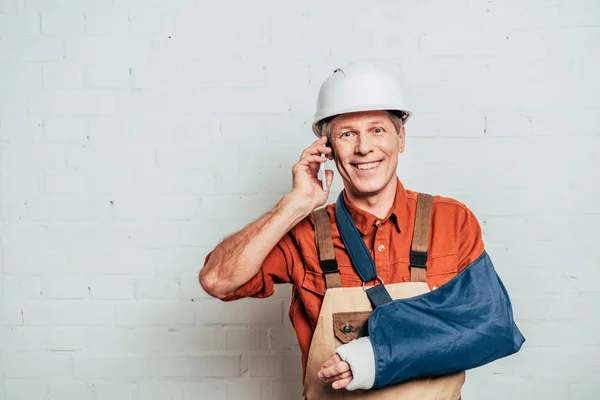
(322,174)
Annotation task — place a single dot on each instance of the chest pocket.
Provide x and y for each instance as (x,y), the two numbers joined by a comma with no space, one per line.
(312,293)
(441,270)
(314,283)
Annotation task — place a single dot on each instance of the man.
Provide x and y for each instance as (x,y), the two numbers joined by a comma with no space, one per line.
(360,121)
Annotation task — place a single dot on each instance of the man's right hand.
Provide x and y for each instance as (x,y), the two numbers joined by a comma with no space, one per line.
(307,190)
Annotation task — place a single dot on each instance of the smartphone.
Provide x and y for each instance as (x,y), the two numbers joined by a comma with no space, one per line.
(322,174)
(322,170)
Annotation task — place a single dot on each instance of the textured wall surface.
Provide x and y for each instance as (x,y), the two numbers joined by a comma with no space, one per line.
(135,134)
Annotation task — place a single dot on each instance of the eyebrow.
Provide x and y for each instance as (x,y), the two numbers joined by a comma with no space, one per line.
(376,122)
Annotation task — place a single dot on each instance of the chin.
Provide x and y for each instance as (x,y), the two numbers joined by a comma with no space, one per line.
(368,187)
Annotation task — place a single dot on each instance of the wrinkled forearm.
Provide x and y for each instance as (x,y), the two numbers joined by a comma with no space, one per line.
(239,256)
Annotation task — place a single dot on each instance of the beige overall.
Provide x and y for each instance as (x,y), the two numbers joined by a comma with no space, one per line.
(344,311)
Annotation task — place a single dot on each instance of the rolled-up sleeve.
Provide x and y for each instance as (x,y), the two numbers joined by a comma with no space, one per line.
(275,269)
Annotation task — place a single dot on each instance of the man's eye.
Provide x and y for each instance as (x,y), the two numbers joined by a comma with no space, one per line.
(378,130)
(346,134)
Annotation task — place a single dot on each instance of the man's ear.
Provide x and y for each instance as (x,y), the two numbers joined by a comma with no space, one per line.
(402,139)
(330,156)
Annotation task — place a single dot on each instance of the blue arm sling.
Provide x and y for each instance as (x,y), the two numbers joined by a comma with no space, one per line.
(464,324)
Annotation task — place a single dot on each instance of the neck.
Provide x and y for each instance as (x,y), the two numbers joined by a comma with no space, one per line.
(378,204)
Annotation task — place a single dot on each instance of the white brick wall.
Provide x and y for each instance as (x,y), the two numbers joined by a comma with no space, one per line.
(135,134)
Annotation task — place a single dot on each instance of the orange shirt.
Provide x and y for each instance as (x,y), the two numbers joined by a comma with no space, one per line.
(454,242)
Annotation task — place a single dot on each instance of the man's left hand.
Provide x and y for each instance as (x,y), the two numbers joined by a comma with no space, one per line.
(337,371)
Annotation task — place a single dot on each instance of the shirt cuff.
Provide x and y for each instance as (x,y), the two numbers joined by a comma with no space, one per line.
(361,358)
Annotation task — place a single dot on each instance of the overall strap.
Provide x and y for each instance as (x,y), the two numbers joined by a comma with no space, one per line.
(418,248)
(325,248)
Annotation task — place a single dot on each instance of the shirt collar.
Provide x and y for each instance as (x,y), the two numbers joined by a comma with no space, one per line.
(365,221)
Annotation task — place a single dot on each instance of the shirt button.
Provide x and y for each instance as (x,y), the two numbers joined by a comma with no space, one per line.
(377,223)
(381,248)
(434,287)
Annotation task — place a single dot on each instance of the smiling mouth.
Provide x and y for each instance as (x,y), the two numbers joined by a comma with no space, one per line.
(367,166)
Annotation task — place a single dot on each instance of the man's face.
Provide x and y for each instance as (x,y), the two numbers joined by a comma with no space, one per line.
(366,146)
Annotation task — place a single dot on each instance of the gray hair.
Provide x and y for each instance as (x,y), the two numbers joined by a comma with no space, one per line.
(397,119)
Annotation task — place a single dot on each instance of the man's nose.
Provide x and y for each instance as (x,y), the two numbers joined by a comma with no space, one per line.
(363,145)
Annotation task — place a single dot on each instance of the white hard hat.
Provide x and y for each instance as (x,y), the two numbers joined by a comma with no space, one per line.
(358,87)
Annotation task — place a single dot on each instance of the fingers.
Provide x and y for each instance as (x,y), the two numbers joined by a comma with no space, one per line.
(334,370)
(317,147)
(347,374)
(333,360)
(342,383)
(315,151)
(312,159)
(337,371)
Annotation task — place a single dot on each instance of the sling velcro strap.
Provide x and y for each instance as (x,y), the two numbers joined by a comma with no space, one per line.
(327,259)
(420,239)
(378,295)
